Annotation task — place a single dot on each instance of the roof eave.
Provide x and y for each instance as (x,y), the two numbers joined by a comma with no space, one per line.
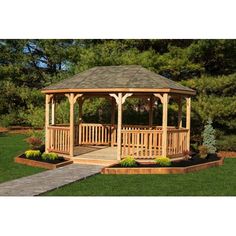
(112,90)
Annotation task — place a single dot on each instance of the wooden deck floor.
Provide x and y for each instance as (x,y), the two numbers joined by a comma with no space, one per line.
(101,155)
(95,155)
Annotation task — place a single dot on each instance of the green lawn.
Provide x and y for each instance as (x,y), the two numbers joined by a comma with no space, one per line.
(217,181)
(10,146)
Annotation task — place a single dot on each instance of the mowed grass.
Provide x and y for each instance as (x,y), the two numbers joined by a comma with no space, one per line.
(216,181)
(12,145)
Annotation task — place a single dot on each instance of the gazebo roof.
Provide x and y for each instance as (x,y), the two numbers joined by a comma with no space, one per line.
(131,78)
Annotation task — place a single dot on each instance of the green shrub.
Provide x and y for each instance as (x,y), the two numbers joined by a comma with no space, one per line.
(203,151)
(226,143)
(36,116)
(50,156)
(194,147)
(32,154)
(8,119)
(209,137)
(128,161)
(163,161)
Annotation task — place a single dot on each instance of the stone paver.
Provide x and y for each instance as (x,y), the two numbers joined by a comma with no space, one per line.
(48,180)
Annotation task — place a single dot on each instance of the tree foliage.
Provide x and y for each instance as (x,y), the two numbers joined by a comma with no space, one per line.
(208,66)
(215,99)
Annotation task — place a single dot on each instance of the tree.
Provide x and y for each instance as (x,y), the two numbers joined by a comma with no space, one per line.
(215,99)
(209,137)
(216,56)
(208,66)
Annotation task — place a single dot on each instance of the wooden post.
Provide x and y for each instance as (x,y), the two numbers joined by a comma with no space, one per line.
(151,111)
(71,100)
(47,110)
(119,100)
(119,126)
(53,111)
(113,106)
(80,101)
(180,113)
(164,124)
(188,120)
(164,100)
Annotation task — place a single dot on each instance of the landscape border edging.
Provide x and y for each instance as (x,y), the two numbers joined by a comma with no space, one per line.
(161,170)
(41,164)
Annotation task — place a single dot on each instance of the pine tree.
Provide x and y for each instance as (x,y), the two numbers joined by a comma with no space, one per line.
(209,137)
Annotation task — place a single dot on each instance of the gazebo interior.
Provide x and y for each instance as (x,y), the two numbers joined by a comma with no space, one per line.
(115,140)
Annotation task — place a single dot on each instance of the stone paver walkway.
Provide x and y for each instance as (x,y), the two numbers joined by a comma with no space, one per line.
(48,180)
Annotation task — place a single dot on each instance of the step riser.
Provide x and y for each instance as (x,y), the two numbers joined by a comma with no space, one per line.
(94,162)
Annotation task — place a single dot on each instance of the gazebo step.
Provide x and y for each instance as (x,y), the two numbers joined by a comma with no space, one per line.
(93,161)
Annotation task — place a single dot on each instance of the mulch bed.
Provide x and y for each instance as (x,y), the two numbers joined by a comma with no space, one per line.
(39,162)
(182,163)
(59,160)
(177,167)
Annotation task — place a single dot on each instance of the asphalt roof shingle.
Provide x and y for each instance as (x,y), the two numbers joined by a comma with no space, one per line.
(129,76)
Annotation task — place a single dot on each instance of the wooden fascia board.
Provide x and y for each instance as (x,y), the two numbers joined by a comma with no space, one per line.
(113,90)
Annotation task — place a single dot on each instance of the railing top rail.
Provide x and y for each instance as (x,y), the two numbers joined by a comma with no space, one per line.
(94,124)
(149,128)
(177,130)
(124,125)
(141,131)
(154,131)
(59,127)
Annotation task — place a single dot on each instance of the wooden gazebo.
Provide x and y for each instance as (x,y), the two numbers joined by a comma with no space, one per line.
(117,83)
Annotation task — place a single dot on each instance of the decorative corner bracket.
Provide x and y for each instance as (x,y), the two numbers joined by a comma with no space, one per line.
(161,97)
(72,98)
(123,97)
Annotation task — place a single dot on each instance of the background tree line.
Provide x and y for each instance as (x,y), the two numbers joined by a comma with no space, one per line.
(209,66)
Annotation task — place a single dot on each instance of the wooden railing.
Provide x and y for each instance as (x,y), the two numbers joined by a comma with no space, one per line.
(99,134)
(141,143)
(130,128)
(103,134)
(176,141)
(148,143)
(59,139)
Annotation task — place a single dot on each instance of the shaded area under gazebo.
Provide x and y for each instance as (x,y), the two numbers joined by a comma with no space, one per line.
(118,83)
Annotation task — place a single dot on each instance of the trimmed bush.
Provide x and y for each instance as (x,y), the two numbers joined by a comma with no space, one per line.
(128,161)
(163,161)
(50,156)
(203,151)
(32,154)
